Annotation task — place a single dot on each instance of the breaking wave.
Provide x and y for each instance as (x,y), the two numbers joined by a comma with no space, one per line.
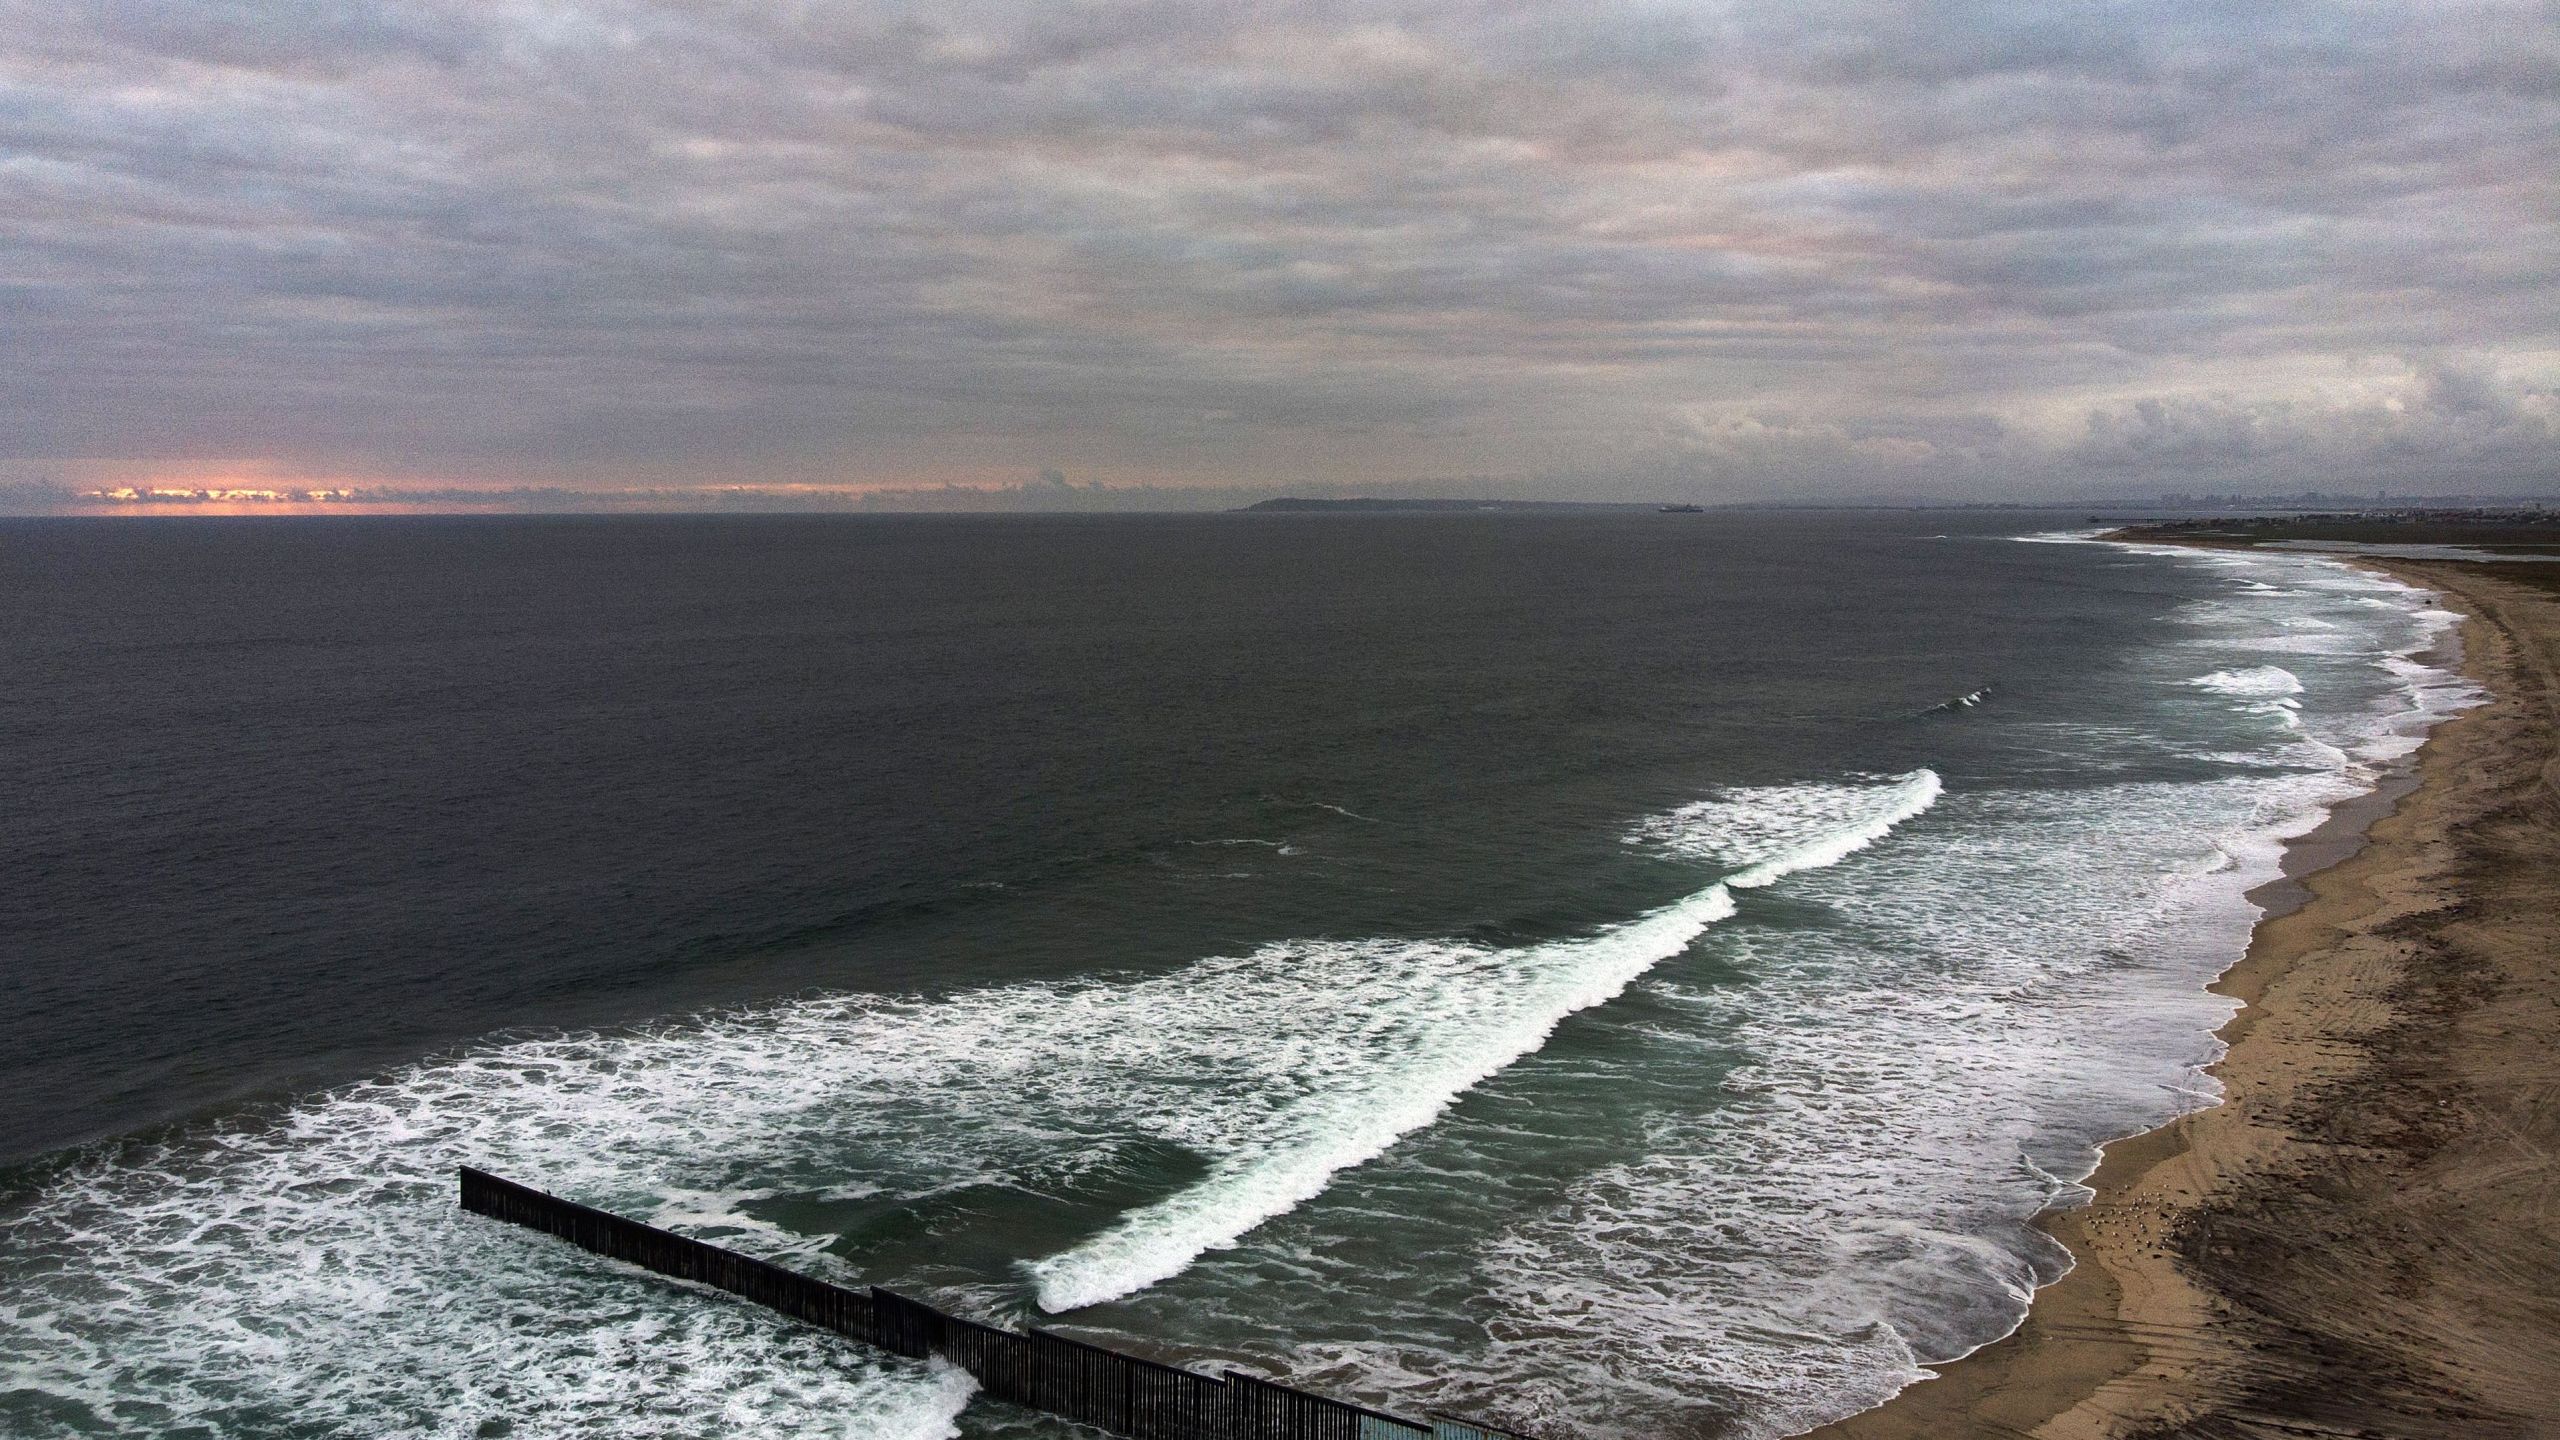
(1493,1006)
(2257,680)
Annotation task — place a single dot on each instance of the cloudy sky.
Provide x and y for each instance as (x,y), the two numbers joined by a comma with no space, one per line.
(1597,249)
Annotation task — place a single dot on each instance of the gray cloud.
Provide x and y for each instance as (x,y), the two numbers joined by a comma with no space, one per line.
(1618,249)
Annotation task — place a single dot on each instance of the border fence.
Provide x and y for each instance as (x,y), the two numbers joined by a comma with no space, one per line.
(1090,1384)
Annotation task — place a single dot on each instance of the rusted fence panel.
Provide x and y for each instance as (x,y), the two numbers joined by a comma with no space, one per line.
(847,1312)
(1079,1381)
(1001,1359)
(1265,1410)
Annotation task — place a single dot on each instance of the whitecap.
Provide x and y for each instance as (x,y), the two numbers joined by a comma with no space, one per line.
(2256,680)
(1488,1008)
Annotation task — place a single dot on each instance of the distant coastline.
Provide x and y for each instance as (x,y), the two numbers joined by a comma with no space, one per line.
(2491,530)
(32,499)
(1298,505)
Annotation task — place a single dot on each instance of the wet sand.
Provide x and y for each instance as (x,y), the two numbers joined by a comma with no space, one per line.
(2364,1238)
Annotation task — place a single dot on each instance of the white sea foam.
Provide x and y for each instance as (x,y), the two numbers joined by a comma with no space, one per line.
(1922,1075)
(1770,832)
(314,1277)
(167,1280)
(1934,1063)
(1492,1007)
(2257,680)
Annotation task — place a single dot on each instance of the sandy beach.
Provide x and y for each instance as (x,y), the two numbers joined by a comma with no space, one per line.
(2364,1238)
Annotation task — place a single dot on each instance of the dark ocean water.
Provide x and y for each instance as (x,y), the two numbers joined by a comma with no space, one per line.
(1589,970)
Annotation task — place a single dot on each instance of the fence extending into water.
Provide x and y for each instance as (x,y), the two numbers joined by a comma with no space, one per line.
(1089,1384)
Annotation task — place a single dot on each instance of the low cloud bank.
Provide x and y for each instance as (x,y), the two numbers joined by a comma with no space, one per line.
(1617,250)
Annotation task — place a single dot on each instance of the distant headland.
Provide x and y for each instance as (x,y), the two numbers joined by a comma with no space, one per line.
(1295,505)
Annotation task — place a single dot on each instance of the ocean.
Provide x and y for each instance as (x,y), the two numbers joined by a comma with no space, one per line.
(1613,974)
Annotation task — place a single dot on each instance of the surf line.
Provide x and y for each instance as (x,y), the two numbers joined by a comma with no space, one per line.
(1350,1126)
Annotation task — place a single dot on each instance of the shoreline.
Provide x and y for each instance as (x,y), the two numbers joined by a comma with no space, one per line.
(2271,1265)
